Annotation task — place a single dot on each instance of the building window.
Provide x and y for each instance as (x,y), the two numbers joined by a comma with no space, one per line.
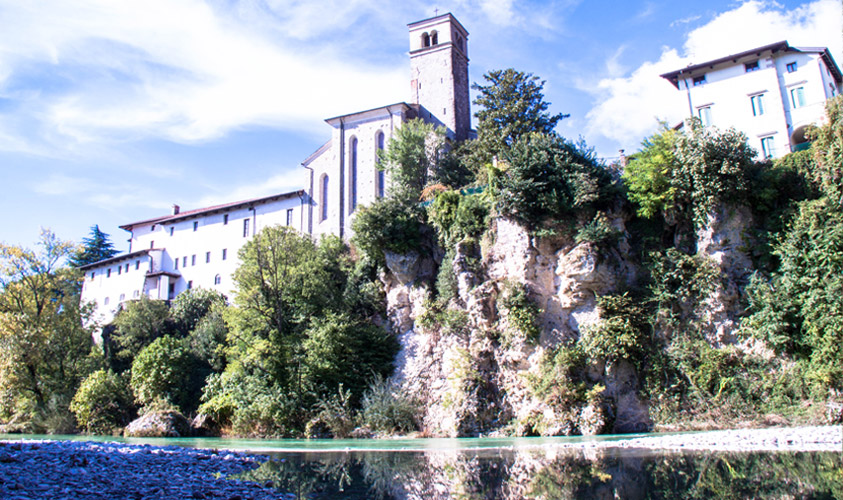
(224,253)
(379,146)
(768,147)
(192,260)
(245,228)
(195,225)
(119,270)
(189,285)
(184,261)
(705,115)
(172,230)
(207,257)
(434,38)
(791,67)
(127,267)
(152,244)
(699,80)
(225,219)
(108,273)
(105,302)
(425,40)
(177,263)
(217,279)
(152,228)
(289,216)
(748,67)
(135,294)
(797,96)
(352,175)
(122,297)
(137,265)
(324,197)
(93,274)
(757,104)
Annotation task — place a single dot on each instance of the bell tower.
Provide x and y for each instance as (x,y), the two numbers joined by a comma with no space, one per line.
(439,73)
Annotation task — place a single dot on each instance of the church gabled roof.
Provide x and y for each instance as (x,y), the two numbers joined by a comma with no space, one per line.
(360,114)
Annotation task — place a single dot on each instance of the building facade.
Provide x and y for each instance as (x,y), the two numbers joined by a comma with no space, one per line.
(343,173)
(173,253)
(772,93)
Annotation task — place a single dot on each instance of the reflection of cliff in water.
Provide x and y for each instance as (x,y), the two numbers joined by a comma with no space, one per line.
(552,474)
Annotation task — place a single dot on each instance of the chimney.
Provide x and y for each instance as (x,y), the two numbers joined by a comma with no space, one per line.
(175,209)
(623,159)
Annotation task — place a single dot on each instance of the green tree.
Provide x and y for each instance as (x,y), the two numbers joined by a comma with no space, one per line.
(103,402)
(190,306)
(512,105)
(164,371)
(45,334)
(648,175)
(412,155)
(387,225)
(828,151)
(95,248)
(135,327)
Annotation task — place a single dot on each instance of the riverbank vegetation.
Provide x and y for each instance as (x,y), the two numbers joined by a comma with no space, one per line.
(307,346)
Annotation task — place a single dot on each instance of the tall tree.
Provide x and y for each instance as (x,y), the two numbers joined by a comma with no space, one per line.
(95,248)
(512,105)
(44,347)
(411,157)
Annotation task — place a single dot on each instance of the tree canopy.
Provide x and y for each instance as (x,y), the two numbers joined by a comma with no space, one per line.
(95,248)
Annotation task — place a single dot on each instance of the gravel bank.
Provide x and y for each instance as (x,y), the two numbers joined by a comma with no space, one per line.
(59,470)
(825,438)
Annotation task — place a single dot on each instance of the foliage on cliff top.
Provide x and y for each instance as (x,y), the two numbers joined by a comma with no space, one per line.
(512,105)
(548,178)
(94,248)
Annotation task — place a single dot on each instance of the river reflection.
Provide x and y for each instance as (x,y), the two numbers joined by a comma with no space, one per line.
(605,473)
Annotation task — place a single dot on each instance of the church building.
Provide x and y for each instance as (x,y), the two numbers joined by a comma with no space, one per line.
(343,175)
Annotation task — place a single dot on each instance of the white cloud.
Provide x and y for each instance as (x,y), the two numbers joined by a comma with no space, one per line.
(629,105)
(129,70)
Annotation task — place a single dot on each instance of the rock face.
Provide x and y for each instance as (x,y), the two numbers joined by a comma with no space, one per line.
(724,241)
(474,377)
(159,424)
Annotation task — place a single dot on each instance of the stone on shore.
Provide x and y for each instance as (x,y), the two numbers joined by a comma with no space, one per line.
(166,423)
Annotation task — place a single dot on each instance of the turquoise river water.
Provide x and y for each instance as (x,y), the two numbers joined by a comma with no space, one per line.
(518,468)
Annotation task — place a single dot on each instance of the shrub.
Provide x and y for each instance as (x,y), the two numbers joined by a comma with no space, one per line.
(624,332)
(385,409)
(560,382)
(549,179)
(190,306)
(103,402)
(522,312)
(136,326)
(387,225)
(163,370)
(337,413)
(598,232)
(679,285)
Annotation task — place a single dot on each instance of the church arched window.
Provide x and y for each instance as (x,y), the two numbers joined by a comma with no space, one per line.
(434,38)
(352,175)
(217,279)
(425,40)
(380,179)
(324,185)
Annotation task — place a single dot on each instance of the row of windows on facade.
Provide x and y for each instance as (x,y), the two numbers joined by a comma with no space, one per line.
(352,176)
(119,269)
(193,259)
(136,293)
(225,222)
(432,38)
(797,97)
(748,68)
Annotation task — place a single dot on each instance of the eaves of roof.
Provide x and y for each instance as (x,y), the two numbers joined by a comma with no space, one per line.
(115,259)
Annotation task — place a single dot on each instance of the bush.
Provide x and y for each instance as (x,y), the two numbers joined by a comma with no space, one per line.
(457,217)
(163,370)
(387,225)
(624,332)
(337,413)
(599,232)
(136,326)
(386,410)
(522,312)
(561,379)
(549,179)
(190,306)
(103,402)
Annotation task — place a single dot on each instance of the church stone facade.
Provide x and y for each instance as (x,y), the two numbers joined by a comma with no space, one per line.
(343,174)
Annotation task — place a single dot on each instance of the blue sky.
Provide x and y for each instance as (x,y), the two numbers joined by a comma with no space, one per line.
(111,111)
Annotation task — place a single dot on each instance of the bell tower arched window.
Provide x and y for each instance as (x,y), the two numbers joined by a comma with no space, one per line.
(434,38)
(425,40)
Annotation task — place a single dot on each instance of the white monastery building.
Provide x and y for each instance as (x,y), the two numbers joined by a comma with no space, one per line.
(176,252)
(199,248)
(771,93)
